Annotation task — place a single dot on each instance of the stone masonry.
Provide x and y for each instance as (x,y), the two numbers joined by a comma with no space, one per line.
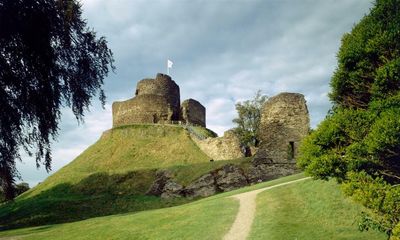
(193,112)
(221,148)
(157,101)
(284,123)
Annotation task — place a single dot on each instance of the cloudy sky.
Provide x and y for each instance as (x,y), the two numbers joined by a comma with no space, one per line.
(223,52)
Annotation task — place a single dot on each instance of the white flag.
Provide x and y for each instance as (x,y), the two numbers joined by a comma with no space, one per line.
(169,63)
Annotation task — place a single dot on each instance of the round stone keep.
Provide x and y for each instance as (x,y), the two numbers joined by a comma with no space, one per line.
(284,123)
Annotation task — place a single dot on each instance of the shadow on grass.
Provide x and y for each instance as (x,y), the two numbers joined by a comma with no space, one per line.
(99,194)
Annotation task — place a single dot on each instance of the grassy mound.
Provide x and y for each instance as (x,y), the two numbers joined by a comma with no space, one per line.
(112,176)
(129,148)
(304,209)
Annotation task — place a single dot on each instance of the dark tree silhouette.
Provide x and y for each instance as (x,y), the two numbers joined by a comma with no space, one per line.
(49,59)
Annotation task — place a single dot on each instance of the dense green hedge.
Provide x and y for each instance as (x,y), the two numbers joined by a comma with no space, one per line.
(359,141)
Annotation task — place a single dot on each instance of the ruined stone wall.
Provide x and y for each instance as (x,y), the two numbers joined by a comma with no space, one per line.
(156,101)
(284,123)
(192,112)
(142,109)
(221,148)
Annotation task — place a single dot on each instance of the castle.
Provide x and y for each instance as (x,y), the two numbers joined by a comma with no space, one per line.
(158,101)
(284,122)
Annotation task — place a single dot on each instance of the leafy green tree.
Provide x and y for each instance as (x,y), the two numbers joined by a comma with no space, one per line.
(359,141)
(248,120)
(49,59)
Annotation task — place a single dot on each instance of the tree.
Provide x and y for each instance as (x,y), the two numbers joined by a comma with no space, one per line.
(2,198)
(359,141)
(49,59)
(20,188)
(248,120)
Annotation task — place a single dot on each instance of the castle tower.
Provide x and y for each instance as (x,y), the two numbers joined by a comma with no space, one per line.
(156,101)
(284,123)
(164,87)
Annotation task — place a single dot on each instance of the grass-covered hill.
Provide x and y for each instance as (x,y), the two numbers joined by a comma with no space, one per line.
(129,148)
(303,210)
(112,176)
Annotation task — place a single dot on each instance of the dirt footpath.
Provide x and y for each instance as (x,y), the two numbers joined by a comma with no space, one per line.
(247,209)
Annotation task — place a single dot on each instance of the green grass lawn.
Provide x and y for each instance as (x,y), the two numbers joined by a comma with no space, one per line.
(303,210)
(112,177)
(205,220)
(99,194)
(308,210)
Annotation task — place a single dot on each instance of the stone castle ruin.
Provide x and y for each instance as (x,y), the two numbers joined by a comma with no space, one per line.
(221,148)
(158,101)
(193,112)
(284,123)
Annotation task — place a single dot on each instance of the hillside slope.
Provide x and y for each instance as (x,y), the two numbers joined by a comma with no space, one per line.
(304,210)
(129,148)
(111,176)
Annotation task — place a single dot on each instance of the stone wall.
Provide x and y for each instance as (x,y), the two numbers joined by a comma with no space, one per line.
(221,148)
(162,85)
(156,101)
(284,123)
(222,179)
(142,109)
(193,112)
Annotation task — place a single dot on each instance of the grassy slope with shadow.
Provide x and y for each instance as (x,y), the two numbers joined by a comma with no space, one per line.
(112,176)
(128,148)
(211,218)
(97,195)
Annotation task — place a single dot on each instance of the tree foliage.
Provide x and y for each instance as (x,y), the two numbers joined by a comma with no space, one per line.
(359,141)
(49,59)
(248,120)
(368,59)
(19,189)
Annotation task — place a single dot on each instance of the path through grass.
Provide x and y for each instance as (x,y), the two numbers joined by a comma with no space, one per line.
(308,210)
(303,210)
